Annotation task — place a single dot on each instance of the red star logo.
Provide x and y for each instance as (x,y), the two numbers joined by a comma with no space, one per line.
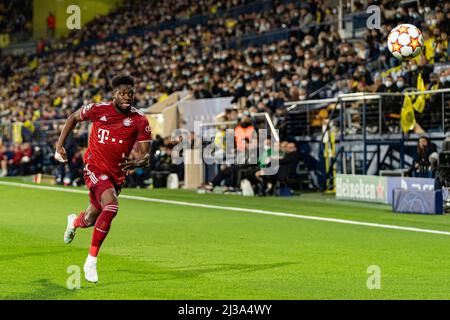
(380,190)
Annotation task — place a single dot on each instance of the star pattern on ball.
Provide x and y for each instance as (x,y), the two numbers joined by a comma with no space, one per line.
(403,29)
(396,46)
(414,43)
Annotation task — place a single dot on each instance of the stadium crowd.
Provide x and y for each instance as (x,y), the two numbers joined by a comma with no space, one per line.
(15,16)
(312,61)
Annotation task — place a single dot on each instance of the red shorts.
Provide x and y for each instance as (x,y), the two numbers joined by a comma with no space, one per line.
(97,182)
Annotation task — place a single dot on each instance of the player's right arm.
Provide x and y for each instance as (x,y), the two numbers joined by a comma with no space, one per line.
(60,152)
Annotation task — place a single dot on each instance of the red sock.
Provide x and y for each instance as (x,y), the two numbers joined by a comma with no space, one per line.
(80,222)
(102,226)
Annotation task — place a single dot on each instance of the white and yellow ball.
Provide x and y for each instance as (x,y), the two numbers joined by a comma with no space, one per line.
(405,41)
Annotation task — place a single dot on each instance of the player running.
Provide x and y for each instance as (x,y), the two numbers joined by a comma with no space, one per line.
(117,127)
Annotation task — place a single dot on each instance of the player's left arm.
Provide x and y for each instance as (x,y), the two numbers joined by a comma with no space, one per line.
(142,151)
(142,157)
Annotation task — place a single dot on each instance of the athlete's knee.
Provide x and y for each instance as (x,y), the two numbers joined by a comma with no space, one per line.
(111,207)
(109,211)
(110,202)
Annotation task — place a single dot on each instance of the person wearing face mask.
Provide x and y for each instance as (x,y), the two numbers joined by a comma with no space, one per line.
(434,82)
(279,121)
(440,52)
(414,15)
(391,105)
(365,74)
(244,130)
(443,80)
(267,101)
(401,15)
(447,81)
(445,24)
(388,85)
(434,46)
(315,83)
(401,83)
(433,105)
(202,92)
(302,94)
(305,19)
(239,89)
(216,89)
(414,70)
(255,99)
(279,72)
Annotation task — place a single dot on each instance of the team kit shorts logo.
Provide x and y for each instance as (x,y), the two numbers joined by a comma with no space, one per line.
(127,122)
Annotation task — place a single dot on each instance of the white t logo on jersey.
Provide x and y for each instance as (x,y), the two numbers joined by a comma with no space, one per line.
(103,135)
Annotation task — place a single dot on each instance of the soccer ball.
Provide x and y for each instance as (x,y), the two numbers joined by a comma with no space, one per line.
(405,41)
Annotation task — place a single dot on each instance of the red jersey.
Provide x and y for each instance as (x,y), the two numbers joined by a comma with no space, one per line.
(113,134)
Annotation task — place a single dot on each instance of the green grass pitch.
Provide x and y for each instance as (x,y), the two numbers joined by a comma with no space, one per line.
(168,251)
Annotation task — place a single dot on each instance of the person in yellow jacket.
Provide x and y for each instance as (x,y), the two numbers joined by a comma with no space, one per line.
(436,47)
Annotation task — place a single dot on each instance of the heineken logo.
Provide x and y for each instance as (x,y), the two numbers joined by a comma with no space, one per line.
(362,188)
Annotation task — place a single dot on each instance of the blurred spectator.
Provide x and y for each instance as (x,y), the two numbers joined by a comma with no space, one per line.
(3,161)
(392,105)
(244,131)
(425,151)
(160,167)
(16,17)
(51,25)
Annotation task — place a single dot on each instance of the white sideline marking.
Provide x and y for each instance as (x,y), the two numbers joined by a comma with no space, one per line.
(266,212)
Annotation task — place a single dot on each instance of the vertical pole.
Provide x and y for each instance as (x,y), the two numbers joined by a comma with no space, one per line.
(333,157)
(344,162)
(364,137)
(340,15)
(341,116)
(308,133)
(327,164)
(402,151)
(380,118)
(341,134)
(353,162)
(378,158)
(443,113)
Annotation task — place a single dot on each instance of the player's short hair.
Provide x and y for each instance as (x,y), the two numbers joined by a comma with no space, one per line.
(122,80)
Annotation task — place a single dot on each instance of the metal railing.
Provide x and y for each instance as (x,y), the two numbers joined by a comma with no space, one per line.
(356,114)
(367,126)
(262,118)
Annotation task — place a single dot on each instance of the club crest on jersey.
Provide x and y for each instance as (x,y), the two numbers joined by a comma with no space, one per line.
(127,122)
(103,177)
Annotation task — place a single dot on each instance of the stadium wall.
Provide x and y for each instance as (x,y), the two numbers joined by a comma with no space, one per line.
(89,10)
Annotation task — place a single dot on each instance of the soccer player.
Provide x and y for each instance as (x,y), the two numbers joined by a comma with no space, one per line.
(116,128)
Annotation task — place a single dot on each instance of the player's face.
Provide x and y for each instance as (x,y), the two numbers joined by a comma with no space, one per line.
(124,97)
